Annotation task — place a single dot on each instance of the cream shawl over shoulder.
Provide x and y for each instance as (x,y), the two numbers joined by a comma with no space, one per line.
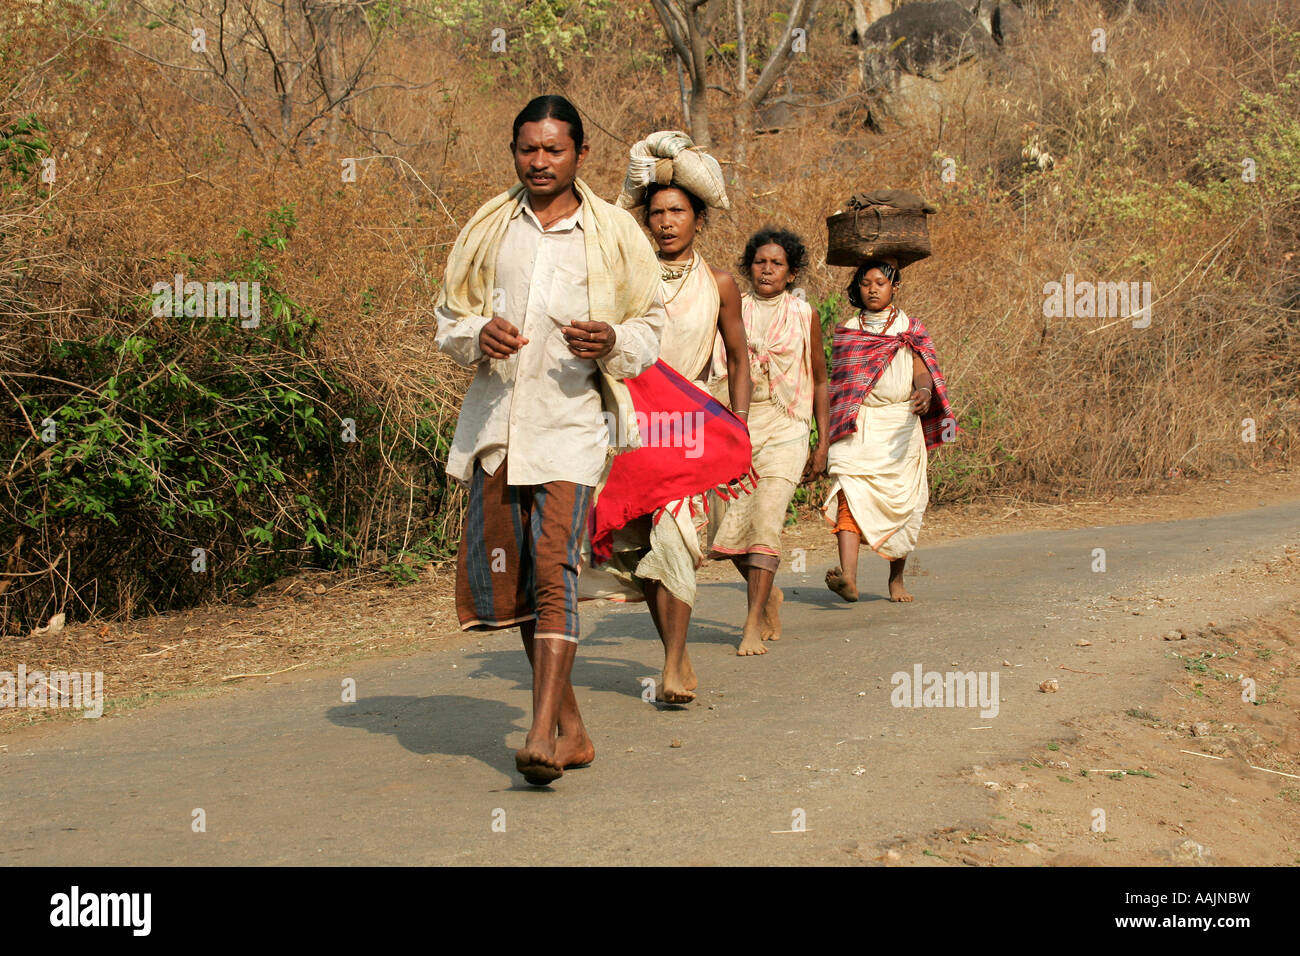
(780,350)
(622,276)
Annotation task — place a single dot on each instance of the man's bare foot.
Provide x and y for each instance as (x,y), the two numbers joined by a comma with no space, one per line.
(771,629)
(673,689)
(751,644)
(846,589)
(689,680)
(897,593)
(538,763)
(574,751)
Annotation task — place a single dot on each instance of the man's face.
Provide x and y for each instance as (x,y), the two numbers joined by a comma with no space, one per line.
(546,160)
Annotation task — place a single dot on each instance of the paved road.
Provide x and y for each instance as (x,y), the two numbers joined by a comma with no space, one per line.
(420,768)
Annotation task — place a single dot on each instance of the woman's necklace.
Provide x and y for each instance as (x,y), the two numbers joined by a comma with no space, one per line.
(883,324)
(670,274)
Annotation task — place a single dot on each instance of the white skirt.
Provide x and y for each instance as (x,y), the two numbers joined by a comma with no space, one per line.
(881,468)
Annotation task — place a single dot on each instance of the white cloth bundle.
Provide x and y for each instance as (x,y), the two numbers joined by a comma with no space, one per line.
(669,157)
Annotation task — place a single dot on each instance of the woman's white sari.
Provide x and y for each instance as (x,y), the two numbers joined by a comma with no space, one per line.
(881,467)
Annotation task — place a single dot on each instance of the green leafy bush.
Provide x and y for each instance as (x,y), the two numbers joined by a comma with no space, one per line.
(194,432)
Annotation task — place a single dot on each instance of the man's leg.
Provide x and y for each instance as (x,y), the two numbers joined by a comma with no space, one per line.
(493,567)
(556,520)
(496,587)
(552,661)
(573,747)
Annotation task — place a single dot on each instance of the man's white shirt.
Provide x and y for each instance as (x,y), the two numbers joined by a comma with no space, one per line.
(542,404)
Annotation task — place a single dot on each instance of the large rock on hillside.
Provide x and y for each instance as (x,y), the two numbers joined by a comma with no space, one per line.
(1008,24)
(927,39)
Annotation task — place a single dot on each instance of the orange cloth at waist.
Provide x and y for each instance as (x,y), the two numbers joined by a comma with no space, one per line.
(844,520)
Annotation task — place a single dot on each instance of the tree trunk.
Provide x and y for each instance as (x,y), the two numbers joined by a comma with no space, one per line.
(699,75)
(686,33)
(322,21)
(744,114)
(861,20)
(681,91)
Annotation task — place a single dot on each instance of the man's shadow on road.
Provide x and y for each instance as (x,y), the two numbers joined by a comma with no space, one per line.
(456,725)
(599,673)
(594,670)
(449,724)
(621,675)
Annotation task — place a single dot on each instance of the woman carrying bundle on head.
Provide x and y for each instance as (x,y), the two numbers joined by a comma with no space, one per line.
(673,183)
(788,370)
(889,405)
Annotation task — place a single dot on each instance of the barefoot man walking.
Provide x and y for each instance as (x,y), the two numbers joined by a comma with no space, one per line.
(552,295)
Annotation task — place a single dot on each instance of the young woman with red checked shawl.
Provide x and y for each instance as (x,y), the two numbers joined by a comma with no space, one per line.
(889,405)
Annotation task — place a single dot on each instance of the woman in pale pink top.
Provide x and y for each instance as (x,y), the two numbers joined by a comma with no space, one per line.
(788,374)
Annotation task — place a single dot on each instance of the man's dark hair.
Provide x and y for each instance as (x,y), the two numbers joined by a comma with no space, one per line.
(796,256)
(698,205)
(888,271)
(550,107)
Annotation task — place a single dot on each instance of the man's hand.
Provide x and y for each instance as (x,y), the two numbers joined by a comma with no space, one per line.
(499,339)
(589,340)
(919,402)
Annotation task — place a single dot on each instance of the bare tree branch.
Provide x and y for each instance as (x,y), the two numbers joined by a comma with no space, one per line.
(801,14)
(280,66)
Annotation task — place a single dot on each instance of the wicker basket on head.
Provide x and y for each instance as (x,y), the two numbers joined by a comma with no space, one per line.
(875,230)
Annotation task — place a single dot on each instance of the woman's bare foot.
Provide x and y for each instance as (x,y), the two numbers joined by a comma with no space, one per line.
(846,589)
(771,629)
(897,593)
(574,751)
(673,689)
(752,643)
(538,763)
